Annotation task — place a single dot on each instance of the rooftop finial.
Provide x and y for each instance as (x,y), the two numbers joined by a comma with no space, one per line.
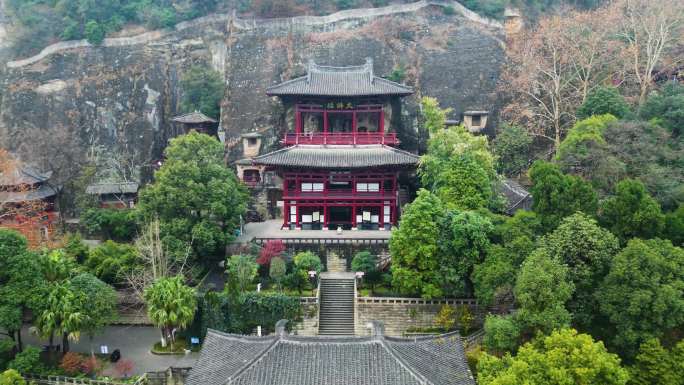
(369,68)
(280,328)
(377,328)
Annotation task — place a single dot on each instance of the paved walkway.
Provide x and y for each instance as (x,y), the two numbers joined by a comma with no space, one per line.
(271,229)
(134,342)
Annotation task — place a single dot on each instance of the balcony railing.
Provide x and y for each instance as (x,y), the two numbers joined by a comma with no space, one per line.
(294,194)
(389,138)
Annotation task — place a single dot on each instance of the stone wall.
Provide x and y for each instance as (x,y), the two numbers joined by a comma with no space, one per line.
(400,314)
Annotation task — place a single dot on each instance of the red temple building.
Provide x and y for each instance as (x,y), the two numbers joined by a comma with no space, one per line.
(340,166)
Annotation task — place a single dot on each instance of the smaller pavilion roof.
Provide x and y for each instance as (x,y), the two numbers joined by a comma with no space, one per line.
(339,81)
(338,156)
(282,359)
(252,134)
(475,112)
(516,195)
(113,188)
(24,176)
(33,194)
(193,118)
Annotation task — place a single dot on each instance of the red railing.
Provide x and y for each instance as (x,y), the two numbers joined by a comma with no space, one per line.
(349,194)
(389,138)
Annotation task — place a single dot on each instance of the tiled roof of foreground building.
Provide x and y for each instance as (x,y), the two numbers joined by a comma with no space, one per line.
(340,81)
(283,359)
(338,156)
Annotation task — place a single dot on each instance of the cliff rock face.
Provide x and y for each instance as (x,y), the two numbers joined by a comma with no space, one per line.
(121,96)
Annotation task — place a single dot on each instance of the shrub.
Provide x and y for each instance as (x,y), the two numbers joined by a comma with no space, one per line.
(117,224)
(92,366)
(277,271)
(398,73)
(11,377)
(446,318)
(345,4)
(368,263)
(124,367)
(308,261)
(203,90)
(71,363)
(501,334)
(111,261)
(449,10)
(94,32)
(603,100)
(75,248)
(264,309)
(512,148)
(28,361)
(465,319)
(242,269)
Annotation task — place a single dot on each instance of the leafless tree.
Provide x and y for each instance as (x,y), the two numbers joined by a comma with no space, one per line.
(157,262)
(650,29)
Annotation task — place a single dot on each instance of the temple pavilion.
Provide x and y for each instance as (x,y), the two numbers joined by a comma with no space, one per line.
(340,165)
(284,359)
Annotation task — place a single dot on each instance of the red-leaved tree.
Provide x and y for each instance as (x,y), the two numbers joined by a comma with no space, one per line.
(273,248)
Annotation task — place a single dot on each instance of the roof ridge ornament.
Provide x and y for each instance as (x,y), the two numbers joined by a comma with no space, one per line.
(369,69)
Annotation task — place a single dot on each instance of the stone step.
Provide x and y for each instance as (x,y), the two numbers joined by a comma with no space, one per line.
(336,304)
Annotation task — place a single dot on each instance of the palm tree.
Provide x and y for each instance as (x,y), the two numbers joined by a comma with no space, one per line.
(60,315)
(170,304)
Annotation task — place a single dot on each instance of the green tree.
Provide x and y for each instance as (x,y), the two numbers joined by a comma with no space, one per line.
(415,247)
(457,166)
(512,149)
(367,262)
(28,361)
(196,198)
(586,153)
(463,246)
(277,270)
(242,269)
(502,334)
(203,89)
(20,283)
(94,32)
(493,277)
(308,261)
(98,304)
(62,313)
(587,250)
(674,226)
(604,100)
(655,365)
(170,304)
(632,212)
(666,108)
(111,261)
(75,248)
(562,358)
(557,195)
(541,290)
(11,377)
(643,293)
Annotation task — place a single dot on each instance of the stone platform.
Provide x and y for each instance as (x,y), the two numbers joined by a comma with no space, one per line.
(271,229)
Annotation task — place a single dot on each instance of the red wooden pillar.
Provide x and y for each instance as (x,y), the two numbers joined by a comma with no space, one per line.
(298,121)
(326,220)
(286,206)
(381,125)
(381,216)
(353,218)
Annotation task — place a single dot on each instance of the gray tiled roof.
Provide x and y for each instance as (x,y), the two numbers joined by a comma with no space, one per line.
(193,118)
(291,360)
(32,194)
(112,188)
(340,81)
(23,175)
(516,195)
(338,156)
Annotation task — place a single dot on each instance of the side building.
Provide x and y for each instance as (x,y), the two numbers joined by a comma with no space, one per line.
(340,166)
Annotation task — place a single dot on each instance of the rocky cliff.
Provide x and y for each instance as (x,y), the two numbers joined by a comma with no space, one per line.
(121,96)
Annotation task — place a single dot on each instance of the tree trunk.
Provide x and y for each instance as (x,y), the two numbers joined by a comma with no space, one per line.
(51,341)
(163,337)
(65,342)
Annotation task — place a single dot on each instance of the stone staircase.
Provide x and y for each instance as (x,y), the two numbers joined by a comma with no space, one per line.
(336,304)
(334,263)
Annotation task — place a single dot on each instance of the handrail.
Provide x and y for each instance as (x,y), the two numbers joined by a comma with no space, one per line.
(418,301)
